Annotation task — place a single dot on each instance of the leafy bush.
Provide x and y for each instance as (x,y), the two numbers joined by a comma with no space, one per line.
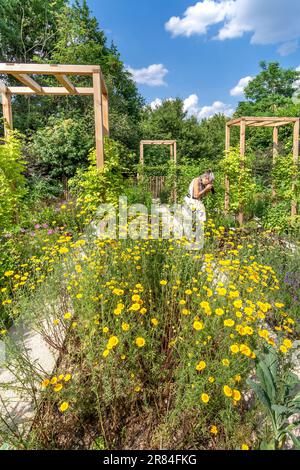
(12,181)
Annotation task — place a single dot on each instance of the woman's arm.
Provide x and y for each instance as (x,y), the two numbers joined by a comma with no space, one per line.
(197,193)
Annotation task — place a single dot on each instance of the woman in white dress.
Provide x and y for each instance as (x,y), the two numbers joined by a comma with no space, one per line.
(198,189)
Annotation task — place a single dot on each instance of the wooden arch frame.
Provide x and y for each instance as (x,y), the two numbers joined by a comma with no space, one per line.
(98,90)
(275,123)
(171,143)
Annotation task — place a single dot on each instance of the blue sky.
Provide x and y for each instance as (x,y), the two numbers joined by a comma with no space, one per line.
(201,50)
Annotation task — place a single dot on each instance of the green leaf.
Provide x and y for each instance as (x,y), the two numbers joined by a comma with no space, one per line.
(261,394)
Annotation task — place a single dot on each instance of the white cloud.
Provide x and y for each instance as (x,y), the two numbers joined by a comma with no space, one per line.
(156,104)
(191,106)
(268,21)
(288,48)
(238,90)
(153,75)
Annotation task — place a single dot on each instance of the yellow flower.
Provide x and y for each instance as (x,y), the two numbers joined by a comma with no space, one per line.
(214,430)
(154,321)
(143,311)
(125,326)
(135,298)
(112,342)
(245,447)
(185,311)
(219,312)
(45,383)
(163,282)
(227,391)
(57,387)
(205,397)
(288,343)
(222,291)
(8,273)
(283,349)
(53,380)
(67,315)
(67,377)
(135,307)
(182,302)
(63,250)
(140,342)
(238,304)
(105,329)
(225,362)
(198,325)
(201,366)
(64,406)
(236,395)
(188,292)
(229,322)
(211,379)
(105,353)
(234,348)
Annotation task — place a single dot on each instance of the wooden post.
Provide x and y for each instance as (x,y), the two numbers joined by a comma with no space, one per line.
(295,165)
(227,184)
(275,155)
(142,153)
(105,114)
(172,151)
(98,119)
(242,163)
(7,113)
(175,152)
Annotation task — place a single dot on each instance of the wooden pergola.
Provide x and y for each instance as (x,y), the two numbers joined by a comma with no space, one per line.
(171,143)
(275,123)
(29,86)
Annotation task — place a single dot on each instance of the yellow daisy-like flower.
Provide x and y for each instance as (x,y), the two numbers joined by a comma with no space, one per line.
(112,342)
(198,325)
(219,312)
(163,282)
(238,303)
(225,362)
(236,395)
(45,383)
(229,322)
(227,391)
(67,377)
(245,447)
(205,397)
(201,366)
(214,430)
(57,387)
(154,321)
(105,353)
(211,379)
(64,406)
(140,342)
(234,348)
(125,326)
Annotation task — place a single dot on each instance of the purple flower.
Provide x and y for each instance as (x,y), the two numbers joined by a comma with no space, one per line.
(45,225)
(32,234)
(37,226)
(50,232)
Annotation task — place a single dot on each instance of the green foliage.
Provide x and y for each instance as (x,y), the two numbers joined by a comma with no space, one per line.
(279,395)
(58,149)
(12,181)
(242,184)
(94,185)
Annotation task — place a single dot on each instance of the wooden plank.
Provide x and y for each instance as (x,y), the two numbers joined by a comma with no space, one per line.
(142,153)
(18,90)
(242,163)
(29,82)
(49,69)
(295,166)
(175,152)
(103,84)
(275,155)
(98,120)
(7,113)
(105,114)
(66,83)
(227,184)
(158,142)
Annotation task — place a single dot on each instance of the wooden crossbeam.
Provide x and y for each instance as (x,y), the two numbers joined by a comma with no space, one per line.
(158,142)
(65,82)
(29,82)
(18,90)
(49,69)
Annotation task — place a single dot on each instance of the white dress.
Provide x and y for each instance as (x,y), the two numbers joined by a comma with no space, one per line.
(195,204)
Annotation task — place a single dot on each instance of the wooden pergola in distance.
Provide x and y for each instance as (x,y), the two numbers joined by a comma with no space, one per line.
(98,90)
(275,123)
(171,143)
